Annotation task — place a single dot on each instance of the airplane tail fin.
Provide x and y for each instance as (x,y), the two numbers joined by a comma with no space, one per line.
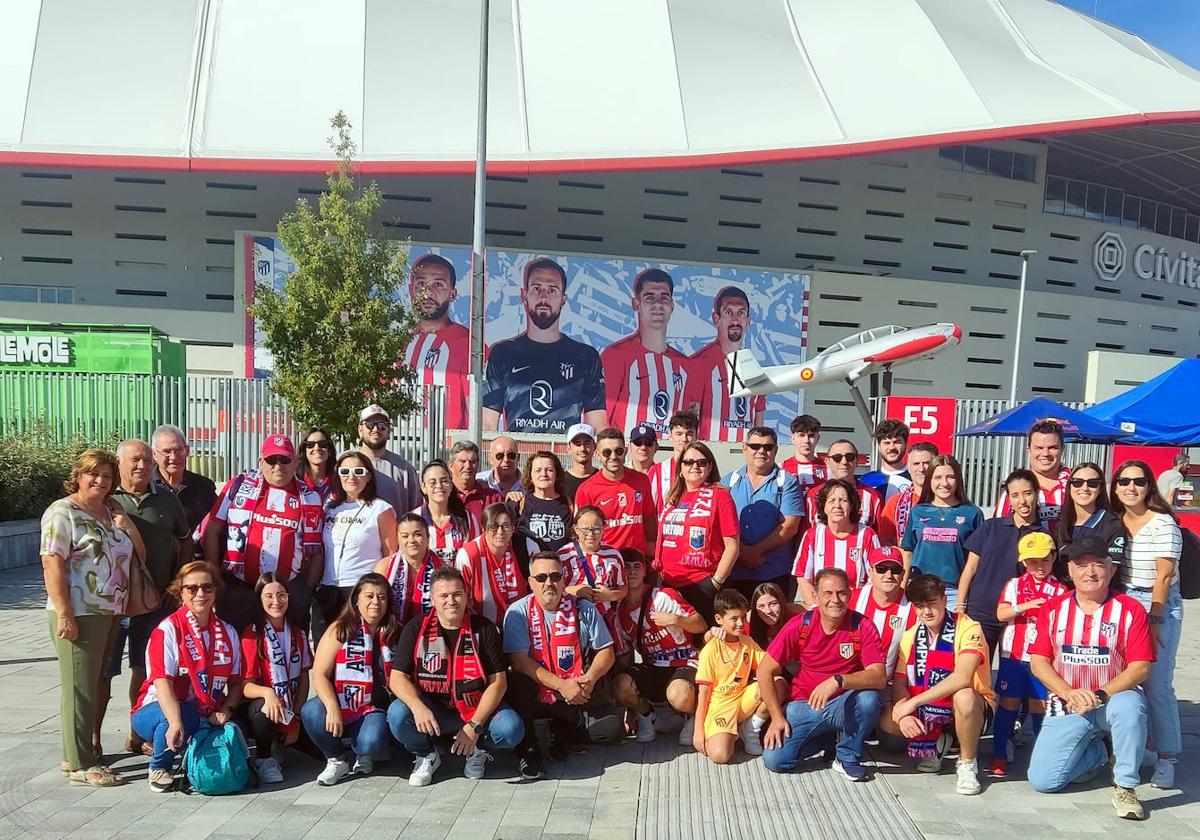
(744,371)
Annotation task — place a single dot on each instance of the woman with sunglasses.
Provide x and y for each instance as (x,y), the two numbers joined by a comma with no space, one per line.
(1150,574)
(1087,507)
(700,535)
(838,539)
(938,527)
(489,565)
(353,682)
(316,462)
(193,672)
(542,511)
(451,525)
(277,659)
(594,571)
(359,529)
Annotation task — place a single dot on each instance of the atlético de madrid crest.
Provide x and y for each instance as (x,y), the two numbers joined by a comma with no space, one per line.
(846,649)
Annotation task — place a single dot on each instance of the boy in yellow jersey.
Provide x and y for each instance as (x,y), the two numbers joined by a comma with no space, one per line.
(726,677)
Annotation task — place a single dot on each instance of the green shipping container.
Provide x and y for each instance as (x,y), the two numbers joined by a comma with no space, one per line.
(90,348)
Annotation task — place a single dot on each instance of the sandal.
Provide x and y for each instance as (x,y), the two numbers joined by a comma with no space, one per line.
(97,776)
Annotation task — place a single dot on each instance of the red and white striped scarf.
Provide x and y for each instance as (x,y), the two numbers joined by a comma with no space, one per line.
(556,648)
(210,666)
(411,596)
(268,527)
(354,672)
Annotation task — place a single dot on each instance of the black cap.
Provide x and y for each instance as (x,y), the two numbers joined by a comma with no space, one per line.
(642,431)
(1088,543)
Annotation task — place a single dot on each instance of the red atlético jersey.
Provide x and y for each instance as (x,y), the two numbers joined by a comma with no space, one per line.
(809,473)
(1088,651)
(1050,501)
(661,474)
(821,549)
(869,501)
(891,621)
(444,358)
(722,417)
(1021,631)
(641,386)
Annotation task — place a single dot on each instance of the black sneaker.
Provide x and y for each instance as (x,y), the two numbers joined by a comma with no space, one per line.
(530,766)
(560,741)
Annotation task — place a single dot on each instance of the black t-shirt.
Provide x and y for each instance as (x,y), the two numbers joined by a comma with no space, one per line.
(543,387)
(546,520)
(571,484)
(491,652)
(197,494)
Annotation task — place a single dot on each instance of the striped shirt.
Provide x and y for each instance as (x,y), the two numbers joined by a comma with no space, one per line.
(822,549)
(1160,537)
(1088,651)
(891,621)
(445,541)
(642,386)
(722,417)
(604,568)
(1020,633)
(870,504)
(1050,501)
(661,475)
(808,473)
(444,358)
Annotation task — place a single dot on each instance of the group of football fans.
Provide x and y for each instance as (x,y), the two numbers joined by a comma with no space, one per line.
(795,608)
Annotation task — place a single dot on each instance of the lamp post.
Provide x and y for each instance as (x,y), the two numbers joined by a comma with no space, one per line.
(1012,394)
(478,263)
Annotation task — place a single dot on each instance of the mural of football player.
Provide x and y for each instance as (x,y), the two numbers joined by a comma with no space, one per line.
(722,417)
(440,350)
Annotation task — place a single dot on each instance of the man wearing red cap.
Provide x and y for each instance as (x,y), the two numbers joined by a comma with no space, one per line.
(645,379)
(722,417)
(265,520)
(882,601)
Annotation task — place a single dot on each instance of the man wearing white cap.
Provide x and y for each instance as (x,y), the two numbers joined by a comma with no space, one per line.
(396,481)
(581,444)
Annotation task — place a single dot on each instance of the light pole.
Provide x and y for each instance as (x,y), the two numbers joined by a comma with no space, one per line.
(1012,394)
(478,263)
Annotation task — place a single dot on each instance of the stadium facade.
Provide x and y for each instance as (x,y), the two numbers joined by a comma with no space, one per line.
(901,153)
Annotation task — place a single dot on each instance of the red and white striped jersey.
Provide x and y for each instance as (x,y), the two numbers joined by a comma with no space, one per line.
(1022,630)
(821,549)
(808,473)
(162,661)
(722,417)
(1088,651)
(870,504)
(444,358)
(642,386)
(1050,501)
(447,540)
(891,621)
(605,568)
(661,474)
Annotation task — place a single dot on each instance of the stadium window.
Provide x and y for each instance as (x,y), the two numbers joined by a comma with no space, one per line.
(1094,208)
(1112,322)
(1056,195)
(1070,237)
(1107,290)
(1163,328)
(1066,284)
(951,157)
(1192,228)
(1131,211)
(18,293)
(1155,351)
(1024,167)
(991,310)
(1178,222)
(975,159)
(1112,205)
(1000,163)
(978,360)
(1149,208)
(1162,220)
(1103,346)
(1041,389)
(1076,198)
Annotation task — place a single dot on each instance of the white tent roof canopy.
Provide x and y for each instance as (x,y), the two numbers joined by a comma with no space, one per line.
(252,84)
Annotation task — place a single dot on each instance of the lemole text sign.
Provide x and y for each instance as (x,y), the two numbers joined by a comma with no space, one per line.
(35,350)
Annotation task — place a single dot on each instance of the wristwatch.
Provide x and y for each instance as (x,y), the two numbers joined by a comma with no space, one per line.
(839,679)
(1101,695)
(477,727)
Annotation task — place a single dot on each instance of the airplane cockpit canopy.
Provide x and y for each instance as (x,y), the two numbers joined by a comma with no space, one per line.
(867,335)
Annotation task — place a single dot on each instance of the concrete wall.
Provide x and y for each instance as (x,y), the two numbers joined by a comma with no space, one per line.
(19,543)
(1110,374)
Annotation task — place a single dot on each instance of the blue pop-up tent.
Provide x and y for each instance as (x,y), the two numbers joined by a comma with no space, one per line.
(1077,426)
(1161,412)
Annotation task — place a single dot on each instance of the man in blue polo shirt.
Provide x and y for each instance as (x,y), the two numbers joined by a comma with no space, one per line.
(770,507)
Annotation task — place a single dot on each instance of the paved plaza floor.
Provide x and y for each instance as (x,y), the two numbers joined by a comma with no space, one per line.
(633,790)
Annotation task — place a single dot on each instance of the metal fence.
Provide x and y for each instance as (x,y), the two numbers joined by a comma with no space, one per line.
(987,460)
(225,418)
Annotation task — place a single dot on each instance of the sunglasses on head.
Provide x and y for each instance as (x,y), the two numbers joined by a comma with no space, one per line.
(505,456)
(619,452)
(278,460)
(553,577)
(755,447)
(1092,483)
(695,462)
(1125,481)
(884,568)
(355,471)
(843,456)
(316,444)
(193,588)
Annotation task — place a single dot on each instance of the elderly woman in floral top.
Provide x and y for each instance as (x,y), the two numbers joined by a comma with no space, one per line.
(86,552)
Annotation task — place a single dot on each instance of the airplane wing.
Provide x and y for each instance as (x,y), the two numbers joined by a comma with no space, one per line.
(744,370)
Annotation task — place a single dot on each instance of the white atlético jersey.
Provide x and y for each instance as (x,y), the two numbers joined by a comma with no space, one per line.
(891,621)
(661,475)
(822,549)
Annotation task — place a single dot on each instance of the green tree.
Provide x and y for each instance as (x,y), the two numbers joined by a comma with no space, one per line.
(339,327)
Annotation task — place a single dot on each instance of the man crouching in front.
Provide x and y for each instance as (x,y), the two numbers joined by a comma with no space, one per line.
(836,692)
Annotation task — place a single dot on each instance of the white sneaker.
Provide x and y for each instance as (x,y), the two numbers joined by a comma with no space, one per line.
(364,765)
(335,770)
(968,777)
(689,729)
(666,719)
(476,764)
(269,771)
(645,728)
(750,731)
(1164,774)
(161,781)
(424,767)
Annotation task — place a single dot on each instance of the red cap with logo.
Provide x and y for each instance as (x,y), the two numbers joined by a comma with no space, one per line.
(278,445)
(883,554)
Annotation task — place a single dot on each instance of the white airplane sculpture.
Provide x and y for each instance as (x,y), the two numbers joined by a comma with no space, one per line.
(870,351)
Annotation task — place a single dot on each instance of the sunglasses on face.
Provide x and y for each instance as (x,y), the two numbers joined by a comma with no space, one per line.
(505,456)
(757,447)
(1125,481)
(316,444)
(843,456)
(695,462)
(193,588)
(1091,483)
(889,568)
(359,472)
(378,425)
(619,452)
(501,528)
(278,460)
(645,442)
(553,577)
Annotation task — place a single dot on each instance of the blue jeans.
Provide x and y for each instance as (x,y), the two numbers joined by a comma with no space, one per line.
(151,724)
(852,715)
(1160,685)
(1070,745)
(366,736)
(504,731)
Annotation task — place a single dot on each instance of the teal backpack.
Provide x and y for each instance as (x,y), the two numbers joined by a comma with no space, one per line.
(217,760)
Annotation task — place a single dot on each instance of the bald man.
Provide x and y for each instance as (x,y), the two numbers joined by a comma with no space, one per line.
(162,525)
(505,474)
